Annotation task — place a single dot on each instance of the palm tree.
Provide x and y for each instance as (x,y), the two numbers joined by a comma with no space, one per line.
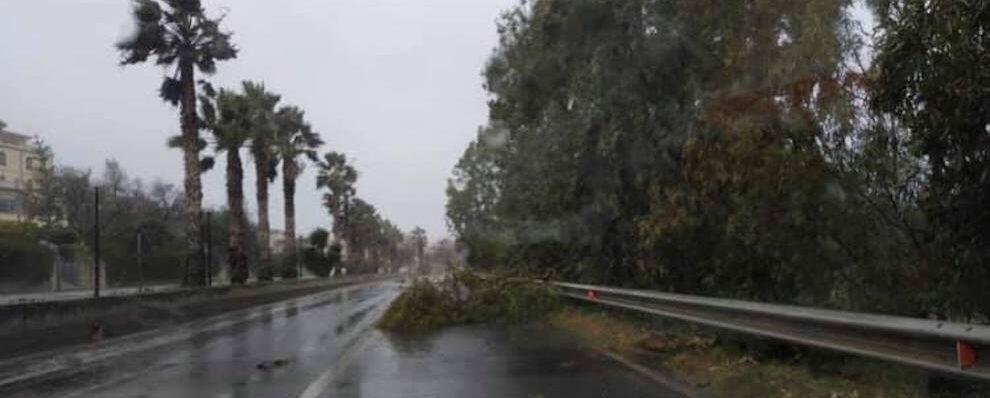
(178,34)
(338,177)
(228,116)
(363,227)
(294,137)
(263,128)
(418,236)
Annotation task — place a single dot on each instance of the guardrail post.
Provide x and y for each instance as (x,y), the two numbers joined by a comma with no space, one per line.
(965,355)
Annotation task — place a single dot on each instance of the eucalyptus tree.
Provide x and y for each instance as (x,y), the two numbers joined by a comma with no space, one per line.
(932,74)
(228,116)
(673,144)
(294,138)
(263,129)
(338,177)
(179,35)
(472,197)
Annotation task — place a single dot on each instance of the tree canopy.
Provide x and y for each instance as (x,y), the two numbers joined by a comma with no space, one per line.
(731,149)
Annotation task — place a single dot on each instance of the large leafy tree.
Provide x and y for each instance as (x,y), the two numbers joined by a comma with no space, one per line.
(472,197)
(264,125)
(643,142)
(179,35)
(932,74)
(294,139)
(229,116)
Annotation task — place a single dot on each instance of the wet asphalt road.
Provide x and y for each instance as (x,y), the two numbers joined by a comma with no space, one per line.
(325,346)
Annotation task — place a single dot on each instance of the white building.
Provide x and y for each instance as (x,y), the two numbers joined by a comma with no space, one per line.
(17,164)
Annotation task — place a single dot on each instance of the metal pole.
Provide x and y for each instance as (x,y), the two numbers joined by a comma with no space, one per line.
(209,251)
(140,260)
(201,267)
(96,242)
(347,225)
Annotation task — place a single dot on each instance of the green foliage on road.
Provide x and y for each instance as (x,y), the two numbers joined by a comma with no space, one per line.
(464,297)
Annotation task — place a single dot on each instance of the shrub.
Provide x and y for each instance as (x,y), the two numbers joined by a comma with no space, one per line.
(23,260)
(317,257)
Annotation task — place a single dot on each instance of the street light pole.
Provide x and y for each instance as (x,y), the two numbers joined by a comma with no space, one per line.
(209,251)
(96,242)
(140,258)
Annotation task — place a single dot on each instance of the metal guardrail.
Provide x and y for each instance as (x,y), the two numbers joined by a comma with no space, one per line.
(955,348)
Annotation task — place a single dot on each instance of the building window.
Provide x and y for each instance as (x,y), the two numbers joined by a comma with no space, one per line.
(31,163)
(8,205)
(3,158)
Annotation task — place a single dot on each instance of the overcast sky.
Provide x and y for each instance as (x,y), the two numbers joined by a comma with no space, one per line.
(395,84)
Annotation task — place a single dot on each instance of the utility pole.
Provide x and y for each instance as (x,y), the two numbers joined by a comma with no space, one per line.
(140,258)
(96,242)
(201,267)
(209,251)
(347,227)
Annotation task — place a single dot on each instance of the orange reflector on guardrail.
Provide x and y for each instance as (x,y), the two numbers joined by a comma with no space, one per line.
(592,295)
(965,354)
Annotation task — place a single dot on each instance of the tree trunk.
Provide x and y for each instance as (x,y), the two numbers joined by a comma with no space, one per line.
(236,259)
(193,187)
(289,171)
(265,271)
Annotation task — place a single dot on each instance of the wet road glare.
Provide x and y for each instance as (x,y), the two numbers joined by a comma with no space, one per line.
(486,361)
(325,345)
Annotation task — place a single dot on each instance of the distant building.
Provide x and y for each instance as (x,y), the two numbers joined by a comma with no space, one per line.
(276,240)
(17,165)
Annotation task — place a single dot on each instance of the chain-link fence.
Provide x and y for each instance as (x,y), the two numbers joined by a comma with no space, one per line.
(80,235)
(137,236)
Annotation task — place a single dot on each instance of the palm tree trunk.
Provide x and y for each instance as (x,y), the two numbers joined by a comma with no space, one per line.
(289,192)
(236,259)
(265,271)
(193,187)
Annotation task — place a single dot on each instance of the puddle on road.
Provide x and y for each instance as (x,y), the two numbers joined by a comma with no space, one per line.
(484,361)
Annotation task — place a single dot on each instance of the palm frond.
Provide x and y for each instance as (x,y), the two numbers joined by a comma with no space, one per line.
(206,163)
(171,90)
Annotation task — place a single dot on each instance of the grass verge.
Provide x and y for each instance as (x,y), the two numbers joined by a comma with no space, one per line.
(715,363)
(719,366)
